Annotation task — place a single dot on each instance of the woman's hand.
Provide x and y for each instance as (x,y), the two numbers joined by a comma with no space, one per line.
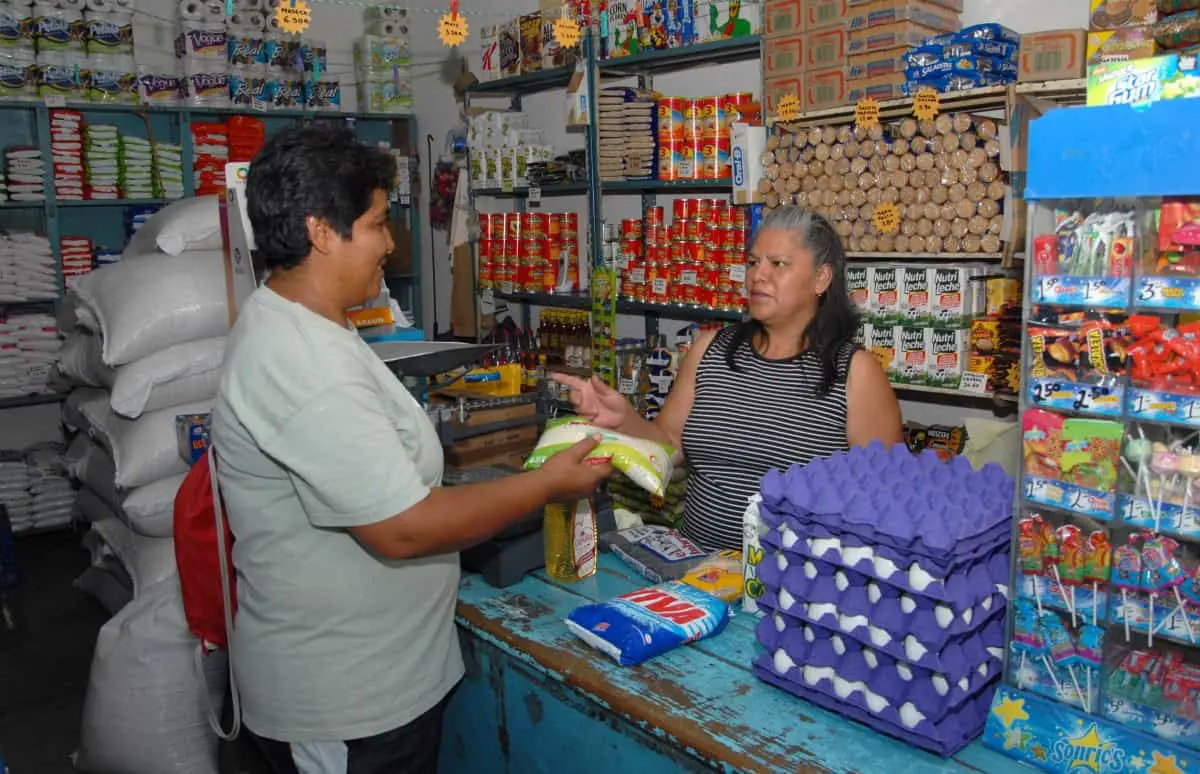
(595,401)
(570,475)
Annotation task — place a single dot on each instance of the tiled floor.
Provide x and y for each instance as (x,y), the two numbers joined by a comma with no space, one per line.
(44,663)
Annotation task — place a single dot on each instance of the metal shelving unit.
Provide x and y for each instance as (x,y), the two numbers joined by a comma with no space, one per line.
(28,124)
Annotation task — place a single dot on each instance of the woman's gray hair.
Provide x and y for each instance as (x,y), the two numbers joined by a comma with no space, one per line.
(813,231)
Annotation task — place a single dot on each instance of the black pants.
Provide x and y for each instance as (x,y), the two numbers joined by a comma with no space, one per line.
(410,749)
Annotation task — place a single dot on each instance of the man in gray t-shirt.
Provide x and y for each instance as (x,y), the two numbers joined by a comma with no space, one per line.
(345,543)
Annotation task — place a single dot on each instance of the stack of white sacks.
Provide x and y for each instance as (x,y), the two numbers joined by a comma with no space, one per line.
(34,488)
(145,339)
(29,347)
(27,268)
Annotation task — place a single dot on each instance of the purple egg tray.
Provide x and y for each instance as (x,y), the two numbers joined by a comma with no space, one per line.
(791,528)
(961,589)
(949,736)
(851,605)
(845,662)
(897,498)
(955,659)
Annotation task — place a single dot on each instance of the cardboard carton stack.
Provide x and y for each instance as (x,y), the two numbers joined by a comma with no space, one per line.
(1121,31)
(1052,55)
(835,52)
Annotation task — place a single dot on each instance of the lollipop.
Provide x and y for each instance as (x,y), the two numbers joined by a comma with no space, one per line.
(1090,650)
(1189,468)
(1161,571)
(1126,575)
(1029,545)
(1164,462)
(1138,452)
(1061,652)
(1070,568)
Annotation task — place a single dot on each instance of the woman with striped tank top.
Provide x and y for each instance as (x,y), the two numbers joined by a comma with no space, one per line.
(784,387)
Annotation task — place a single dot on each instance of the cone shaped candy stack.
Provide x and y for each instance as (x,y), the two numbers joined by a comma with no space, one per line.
(885,591)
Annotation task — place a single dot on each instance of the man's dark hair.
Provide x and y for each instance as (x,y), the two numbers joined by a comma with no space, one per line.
(321,171)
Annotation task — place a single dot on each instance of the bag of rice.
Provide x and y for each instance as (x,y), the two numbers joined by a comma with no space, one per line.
(646,463)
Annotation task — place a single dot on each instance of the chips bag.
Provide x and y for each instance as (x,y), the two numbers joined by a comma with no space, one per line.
(646,463)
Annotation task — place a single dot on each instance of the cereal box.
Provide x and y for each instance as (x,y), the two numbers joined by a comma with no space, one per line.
(912,351)
(489,56)
(914,294)
(531,42)
(948,350)
(858,285)
(884,300)
(1123,45)
(509,37)
(1144,81)
(619,27)
(1114,14)
(653,31)
(882,343)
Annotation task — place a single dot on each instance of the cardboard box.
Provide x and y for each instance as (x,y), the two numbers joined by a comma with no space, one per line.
(825,88)
(785,55)
(493,448)
(774,88)
(1115,14)
(489,53)
(1123,45)
(882,344)
(509,42)
(915,282)
(879,88)
(825,48)
(784,17)
(720,19)
(531,42)
(912,355)
(747,144)
(947,358)
(899,35)
(488,416)
(1053,55)
(821,14)
(884,12)
(873,64)
(884,299)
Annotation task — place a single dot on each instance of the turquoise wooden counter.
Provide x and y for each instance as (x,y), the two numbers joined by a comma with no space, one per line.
(537,700)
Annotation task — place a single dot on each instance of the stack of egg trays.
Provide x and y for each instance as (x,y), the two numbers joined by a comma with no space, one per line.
(896,620)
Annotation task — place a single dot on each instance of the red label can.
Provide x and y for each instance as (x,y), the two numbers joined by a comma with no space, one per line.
(692,252)
(487,251)
(695,230)
(685,208)
(631,228)
(632,249)
(654,216)
(738,217)
(512,224)
(486,274)
(535,225)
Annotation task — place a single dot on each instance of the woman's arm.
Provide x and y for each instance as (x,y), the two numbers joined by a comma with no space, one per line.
(872,411)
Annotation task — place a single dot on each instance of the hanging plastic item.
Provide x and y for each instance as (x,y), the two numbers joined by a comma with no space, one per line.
(441,199)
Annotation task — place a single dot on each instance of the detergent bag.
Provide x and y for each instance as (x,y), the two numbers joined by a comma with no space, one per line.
(646,463)
(642,624)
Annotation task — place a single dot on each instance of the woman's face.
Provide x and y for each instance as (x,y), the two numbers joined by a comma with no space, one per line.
(781,279)
(360,258)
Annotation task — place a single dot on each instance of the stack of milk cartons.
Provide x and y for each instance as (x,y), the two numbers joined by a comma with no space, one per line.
(883,579)
(502,148)
(145,341)
(27,268)
(383,62)
(29,345)
(917,319)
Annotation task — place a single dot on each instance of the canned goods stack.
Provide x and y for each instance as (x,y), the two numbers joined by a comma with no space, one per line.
(698,260)
(529,252)
(693,136)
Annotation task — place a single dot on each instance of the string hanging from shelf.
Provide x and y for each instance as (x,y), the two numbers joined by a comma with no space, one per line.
(452,27)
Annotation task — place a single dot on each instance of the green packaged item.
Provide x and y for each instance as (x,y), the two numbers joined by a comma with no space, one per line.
(647,463)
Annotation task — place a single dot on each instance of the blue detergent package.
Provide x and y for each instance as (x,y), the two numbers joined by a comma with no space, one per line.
(642,624)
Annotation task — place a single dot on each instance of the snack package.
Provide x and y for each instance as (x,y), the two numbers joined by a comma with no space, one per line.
(642,624)
(719,575)
(658,553)
(646,463)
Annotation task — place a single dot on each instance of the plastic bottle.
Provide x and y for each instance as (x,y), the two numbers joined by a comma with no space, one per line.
(569,533)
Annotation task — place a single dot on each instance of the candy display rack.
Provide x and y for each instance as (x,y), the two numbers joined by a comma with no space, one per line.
(1103,657)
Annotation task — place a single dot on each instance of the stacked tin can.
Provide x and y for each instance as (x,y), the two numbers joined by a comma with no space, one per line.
(693,136)
(524,252)
(698,260)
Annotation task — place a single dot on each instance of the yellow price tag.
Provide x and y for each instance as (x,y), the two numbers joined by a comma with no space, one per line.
(566,30)
(293,16)
(886,219)
(788,108)
(927,103)
(452,29)
(866,113)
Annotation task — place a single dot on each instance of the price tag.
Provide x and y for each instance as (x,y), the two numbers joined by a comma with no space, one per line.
(660,286)
(638,276)
(1070,497)
(55,100)
(1082,291)
(627,386)
(1152,406)
(926,104)
(737,273)
(535,195)
(866,113)
(788,108)
(685,169)
(1174,293)
(489,296)
(293,16)
(886,219)
(1093,399)
(566,30)
(688,277)
(452,28)
(974,382)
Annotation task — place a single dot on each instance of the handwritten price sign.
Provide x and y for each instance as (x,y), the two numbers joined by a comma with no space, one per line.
(452,29)
(866,113)
(886,219)
(926,104)
(788,108)
(293,16)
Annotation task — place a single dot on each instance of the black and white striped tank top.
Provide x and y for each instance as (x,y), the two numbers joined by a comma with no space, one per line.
(743,423)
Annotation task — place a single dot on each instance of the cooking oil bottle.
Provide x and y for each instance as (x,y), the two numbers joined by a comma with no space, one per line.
(569,532)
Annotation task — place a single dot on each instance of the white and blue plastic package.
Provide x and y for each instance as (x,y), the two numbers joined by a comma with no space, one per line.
(646,623)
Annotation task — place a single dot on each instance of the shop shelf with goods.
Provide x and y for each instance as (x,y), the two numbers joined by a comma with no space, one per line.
(84,175)
(1103,652)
